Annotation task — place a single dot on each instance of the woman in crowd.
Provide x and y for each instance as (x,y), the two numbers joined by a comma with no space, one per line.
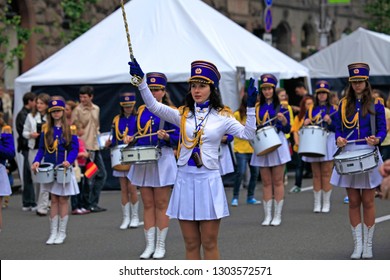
(360,118)
(198,200)
(32,131)
(272,164)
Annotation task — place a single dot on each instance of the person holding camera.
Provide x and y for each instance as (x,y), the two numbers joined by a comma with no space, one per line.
(32,132)
(198,199)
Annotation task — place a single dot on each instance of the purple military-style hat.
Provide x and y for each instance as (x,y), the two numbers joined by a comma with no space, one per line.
(268,80)
(127,99)
(156,80)
(322,86)
(358,72)
(204,72)
(56,103)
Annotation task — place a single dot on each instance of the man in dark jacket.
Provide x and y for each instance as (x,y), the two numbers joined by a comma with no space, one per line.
(28,197)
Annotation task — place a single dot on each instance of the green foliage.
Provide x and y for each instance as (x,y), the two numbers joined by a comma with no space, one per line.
(74,11)
(379,12)
(12,22)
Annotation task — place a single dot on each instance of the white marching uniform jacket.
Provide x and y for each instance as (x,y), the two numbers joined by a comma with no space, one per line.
(215,127)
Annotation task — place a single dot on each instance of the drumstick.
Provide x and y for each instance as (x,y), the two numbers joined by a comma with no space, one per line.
(359,140)
(154,133)
(270,120)
(341,148)
(331,114)
(63,182)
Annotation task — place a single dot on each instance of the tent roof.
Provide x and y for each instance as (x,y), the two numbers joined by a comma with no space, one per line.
(167,35)
(360,46)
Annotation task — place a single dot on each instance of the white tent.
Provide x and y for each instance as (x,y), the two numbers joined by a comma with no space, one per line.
(360,46)
(167,35)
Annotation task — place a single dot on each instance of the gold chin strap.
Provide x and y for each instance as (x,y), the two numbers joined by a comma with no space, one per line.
(135,80)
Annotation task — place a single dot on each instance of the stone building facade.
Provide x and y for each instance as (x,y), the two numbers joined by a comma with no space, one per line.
(294,26)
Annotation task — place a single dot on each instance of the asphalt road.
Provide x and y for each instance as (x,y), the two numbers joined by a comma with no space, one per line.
(303,235)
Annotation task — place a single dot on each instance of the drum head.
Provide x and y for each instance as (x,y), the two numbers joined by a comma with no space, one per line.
(354,154)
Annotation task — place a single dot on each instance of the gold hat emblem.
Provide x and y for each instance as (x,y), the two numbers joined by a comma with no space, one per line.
(198,71)
(265,79)
(54,102)
(356,71)
(153,80)
(127,98)
(322,85)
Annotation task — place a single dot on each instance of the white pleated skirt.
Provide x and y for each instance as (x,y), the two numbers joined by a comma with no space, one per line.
(280,156)
(157,174)
(331,148)
(226,165)
(71,188)
(198,195)
(5,187)
(120,174)
(366,180)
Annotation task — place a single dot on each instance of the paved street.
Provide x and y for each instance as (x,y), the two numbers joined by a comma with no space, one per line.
(302,235)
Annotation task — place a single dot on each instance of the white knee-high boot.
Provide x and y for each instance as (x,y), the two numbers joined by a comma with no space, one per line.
(357,240)
(53,230)
(278,213)
(267,212)
(317,201)
(326,201)
(160,243)
(134,215)
(367,241)
(150,245)
(126,216)
(62,230)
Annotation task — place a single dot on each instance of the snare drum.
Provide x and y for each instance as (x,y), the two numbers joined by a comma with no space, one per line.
(116,157)
(102,139)
(357,161)
(266,140)
(63,174)
(312,141)
(140,155)
(45,174)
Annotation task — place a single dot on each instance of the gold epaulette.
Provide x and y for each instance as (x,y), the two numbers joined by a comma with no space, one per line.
(284,104)
(183,109)
(335,107)
(226,111)
(379,100)
(142,107)
(342,100)
(44,128)
(6,129)
(73,129)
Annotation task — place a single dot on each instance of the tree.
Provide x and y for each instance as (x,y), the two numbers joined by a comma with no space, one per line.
(11,21)
(74,11)
(379,12)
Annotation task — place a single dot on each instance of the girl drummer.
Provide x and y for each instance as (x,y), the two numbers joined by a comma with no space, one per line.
(155,179)
(198,200)
(58,144)
(362,119)
(321,115)
(123,128)
(7,151)
(272,164)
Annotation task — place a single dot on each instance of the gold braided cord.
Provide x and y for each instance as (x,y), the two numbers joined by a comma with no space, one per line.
(145,129)
(348,124)
(53,148)
(265,117)
(312,119)
(184,139)
(118,134)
